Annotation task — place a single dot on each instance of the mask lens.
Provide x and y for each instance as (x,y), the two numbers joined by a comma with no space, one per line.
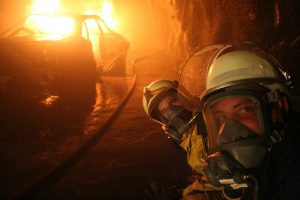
(232,118)
(174,116)
(166,103)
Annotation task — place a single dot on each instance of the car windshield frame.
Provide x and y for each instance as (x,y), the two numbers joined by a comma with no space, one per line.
(27,28)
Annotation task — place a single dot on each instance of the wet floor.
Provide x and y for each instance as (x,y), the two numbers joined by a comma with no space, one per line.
(38,131)
(41,132)
(131,156)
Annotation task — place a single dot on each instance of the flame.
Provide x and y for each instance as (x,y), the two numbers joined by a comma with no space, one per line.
(45,6)
(52,28)
(107,14)
(58,27)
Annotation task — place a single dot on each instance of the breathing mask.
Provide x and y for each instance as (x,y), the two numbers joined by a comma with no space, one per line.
(161,104)
(174,116)
(236,128)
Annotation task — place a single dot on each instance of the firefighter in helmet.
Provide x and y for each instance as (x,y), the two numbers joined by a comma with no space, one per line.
(245,98)
(161,104)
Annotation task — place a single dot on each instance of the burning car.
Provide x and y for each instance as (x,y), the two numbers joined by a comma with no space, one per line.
(63,52)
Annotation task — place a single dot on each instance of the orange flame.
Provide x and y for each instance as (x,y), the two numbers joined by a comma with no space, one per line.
(45,6)
(52,28)
(65,26)
(107,14)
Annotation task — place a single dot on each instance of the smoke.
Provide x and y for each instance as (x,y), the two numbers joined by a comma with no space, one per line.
(12,11)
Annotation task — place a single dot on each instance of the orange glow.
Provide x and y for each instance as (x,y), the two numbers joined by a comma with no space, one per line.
(51,28)
(45,6)
(107,14)
(50,100)
(60,27)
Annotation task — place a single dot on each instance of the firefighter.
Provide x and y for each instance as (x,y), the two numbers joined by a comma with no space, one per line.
(161,104)
(251,136)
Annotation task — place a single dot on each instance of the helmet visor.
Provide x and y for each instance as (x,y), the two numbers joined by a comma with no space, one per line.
(193,77)
(166,103)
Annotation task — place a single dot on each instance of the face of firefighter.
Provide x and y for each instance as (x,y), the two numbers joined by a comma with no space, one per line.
(240,109)
(168,101)
(236,121)
(175,117)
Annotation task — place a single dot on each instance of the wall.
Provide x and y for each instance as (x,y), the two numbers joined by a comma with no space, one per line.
(272,24)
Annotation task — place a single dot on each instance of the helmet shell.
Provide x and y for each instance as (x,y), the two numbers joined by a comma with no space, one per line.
(226,66)
(237,66)
(154,93)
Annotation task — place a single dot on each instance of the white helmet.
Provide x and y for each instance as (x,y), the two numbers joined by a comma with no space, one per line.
(161,104)
(154,93)
(220,66)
